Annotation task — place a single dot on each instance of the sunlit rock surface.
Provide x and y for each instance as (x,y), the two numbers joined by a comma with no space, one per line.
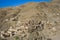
(31,21)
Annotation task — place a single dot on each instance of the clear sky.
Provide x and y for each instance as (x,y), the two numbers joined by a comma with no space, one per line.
(7,3)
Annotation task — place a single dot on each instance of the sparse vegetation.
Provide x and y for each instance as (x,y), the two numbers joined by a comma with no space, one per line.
(17,38)
(32,21)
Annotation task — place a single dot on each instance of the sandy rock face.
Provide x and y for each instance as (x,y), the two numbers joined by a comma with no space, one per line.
(32,21)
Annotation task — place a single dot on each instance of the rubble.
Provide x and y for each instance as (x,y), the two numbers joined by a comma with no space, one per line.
(32,21)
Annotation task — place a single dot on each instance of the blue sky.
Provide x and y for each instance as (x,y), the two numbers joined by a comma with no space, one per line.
(7,3)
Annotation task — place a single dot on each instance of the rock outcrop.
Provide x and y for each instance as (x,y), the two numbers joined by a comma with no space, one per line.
(31,21)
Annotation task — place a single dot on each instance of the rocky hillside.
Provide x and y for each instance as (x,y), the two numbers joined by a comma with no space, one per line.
(31,21)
